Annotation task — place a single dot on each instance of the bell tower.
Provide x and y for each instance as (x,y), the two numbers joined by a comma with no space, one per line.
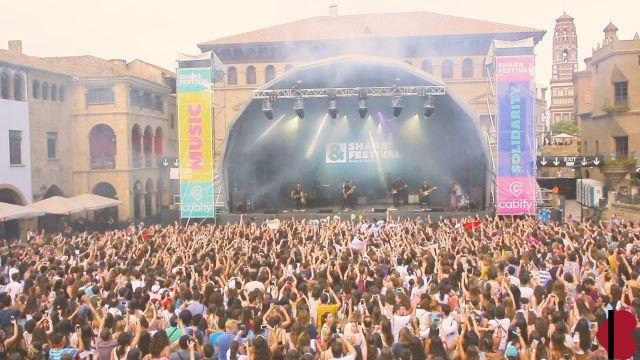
(565,63)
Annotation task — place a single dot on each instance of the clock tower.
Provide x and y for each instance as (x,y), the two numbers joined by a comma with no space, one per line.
(565,63)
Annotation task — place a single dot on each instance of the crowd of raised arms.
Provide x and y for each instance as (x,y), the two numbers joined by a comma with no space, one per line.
(476,288)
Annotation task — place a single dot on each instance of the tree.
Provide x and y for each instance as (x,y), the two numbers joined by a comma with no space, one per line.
(567,127)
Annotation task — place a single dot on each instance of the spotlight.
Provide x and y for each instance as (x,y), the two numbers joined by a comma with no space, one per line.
(396,103)
(362,104)
(333,106)
(428,106)
(267,108)
(298,107)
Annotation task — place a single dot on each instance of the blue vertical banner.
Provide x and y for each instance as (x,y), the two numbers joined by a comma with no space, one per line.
(516,192)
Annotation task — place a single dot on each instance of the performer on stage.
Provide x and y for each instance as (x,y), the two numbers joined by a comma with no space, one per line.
(348,195)
(397,190)
(455,195)
(297,194)
(425,192)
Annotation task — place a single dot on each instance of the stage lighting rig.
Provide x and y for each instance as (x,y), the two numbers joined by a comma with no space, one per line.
(396,103)
(267,106)
(362,104)
(298,107)
(333,106)
(428,106)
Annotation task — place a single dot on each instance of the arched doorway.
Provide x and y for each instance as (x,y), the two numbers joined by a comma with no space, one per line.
(148,198)
(136,145)
(102,147)
(50,223)
(108,215)
(147,146)
(9,194)
(137,193)
(158,149)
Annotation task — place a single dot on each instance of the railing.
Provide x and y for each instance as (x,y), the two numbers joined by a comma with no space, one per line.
(628,199)
(136,161)
(148,161)
(103,163)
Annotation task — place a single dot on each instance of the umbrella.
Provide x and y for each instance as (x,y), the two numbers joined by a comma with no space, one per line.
(95,202)
(12,212)
(57,205)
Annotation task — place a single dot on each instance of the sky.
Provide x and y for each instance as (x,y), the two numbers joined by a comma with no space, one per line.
(156,30)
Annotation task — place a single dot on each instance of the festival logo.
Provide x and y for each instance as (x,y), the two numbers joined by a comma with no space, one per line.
(360,152)
(336,153)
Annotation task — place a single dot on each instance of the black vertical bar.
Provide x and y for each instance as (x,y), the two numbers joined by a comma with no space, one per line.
(610,334)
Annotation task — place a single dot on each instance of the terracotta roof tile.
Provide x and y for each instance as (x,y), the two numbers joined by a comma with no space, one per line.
(33,62)
(371,25)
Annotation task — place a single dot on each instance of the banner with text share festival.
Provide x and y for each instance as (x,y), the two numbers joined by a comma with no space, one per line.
(195,143)
(516,193)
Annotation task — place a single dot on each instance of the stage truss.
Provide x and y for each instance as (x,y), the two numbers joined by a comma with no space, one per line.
(294,93)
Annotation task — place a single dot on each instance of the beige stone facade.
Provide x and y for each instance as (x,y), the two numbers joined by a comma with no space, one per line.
(100,126)
(608,105)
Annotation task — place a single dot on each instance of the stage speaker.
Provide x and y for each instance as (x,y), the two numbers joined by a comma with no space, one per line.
(379,210)
(271,211)
(414,198)
(325,211)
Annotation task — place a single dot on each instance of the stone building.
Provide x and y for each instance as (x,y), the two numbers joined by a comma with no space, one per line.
(450,48)
(564,65)
(608,106)
(98,126)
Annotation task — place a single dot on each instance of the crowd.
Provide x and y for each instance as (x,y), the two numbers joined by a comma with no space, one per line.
(476,288)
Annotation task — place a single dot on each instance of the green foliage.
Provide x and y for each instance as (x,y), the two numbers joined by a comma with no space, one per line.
(628,163)
(567,127)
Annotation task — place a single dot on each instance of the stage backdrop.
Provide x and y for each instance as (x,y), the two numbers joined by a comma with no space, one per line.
(516,193)
(195,143)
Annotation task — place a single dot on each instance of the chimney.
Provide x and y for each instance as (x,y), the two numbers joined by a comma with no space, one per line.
(15,46)
(333,10)
(119,63)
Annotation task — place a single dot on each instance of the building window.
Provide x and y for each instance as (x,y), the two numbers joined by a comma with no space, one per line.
(467,68)
(35,89)
(61,93)
(158,103)
(269,73)
(15,147)
(52,138)
(232,76)
(18,88)
(427,66)
(172,121)
(585,148)
(251,75)
(622,146)
(146,100)
(446,69)
(100,96)
(54,92)
(4,86)
(621,93)
(135,97)
(45,91)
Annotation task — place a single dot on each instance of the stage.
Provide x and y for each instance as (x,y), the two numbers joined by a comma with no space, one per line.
(369,212)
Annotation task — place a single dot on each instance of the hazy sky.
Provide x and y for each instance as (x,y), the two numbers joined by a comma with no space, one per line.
(155,30)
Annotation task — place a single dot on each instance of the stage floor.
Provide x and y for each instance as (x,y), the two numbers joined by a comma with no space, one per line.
(370,212)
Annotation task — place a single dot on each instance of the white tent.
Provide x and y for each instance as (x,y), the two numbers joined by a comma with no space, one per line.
(95,202)
(57,205)
(12,212)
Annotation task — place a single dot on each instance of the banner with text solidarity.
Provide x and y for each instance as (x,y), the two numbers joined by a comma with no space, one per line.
(195,143)
(516,192)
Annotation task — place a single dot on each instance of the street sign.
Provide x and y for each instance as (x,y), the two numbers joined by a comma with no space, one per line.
(170,161)
(570,161)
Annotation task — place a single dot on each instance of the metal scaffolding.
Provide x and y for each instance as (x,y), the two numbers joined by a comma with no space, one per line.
(349,92)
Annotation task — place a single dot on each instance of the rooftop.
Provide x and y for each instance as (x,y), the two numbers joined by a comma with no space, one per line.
(387,25)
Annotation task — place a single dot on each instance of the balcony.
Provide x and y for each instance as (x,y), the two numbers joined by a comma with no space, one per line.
(149,161)
(103,163)
(136,161)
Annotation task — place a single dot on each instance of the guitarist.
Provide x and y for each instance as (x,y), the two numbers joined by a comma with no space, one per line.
(397,190)
(425,192)
(348,195)
(297,194)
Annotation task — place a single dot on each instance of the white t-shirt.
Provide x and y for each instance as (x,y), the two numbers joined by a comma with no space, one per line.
(398,322)
(449,328)
(503,326)
(526,293)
